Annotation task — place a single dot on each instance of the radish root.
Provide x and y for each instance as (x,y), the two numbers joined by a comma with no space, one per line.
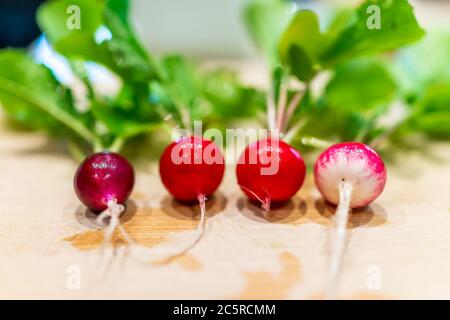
(342,216)
(265,204)
(113,212)
(201,228)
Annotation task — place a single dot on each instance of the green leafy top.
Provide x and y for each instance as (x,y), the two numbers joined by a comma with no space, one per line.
(151,88)
(355,83)
(347,82)
(306,50)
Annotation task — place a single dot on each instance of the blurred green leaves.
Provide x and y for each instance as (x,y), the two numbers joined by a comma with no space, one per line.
(105,36)
(360,85)
(398,26)
(265,21)
(151,89)
(431,114)
(306,50)
(424,63)
(300,45)
(229,99)
(217,97)
(352,61)
(74,43)
(357,76)
(31,96)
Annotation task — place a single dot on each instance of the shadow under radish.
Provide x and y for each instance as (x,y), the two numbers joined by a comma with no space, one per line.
(288,212)
(370,216)
(88,218)
(190,210)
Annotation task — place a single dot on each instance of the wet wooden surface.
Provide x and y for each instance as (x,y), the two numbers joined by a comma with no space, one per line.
(46,237)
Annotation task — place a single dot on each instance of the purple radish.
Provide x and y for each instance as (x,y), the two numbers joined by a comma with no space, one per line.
(103,183)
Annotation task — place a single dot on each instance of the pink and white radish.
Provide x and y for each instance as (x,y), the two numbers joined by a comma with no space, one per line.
(191,168)
(103,183)
(349,175)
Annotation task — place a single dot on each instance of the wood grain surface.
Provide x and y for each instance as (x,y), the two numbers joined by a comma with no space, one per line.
(46,237)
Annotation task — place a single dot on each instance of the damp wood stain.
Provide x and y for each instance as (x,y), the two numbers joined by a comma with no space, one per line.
(265,285)
(186,261)
(308,206)
(148,227)
(371,296)
(365,295)
(139,196)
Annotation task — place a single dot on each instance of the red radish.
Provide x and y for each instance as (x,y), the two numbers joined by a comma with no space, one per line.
(192,168)
(254,171)
(349,175)
(103,183)
(276,186)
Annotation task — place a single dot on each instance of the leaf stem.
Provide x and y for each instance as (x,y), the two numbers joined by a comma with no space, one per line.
(51,108)
(75,151)
(117,144)
(315,142)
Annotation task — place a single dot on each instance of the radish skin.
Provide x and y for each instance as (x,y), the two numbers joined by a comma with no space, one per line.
(190,167)
(355,163)
(259,183)
(349,175)
(101,178)
(103,183)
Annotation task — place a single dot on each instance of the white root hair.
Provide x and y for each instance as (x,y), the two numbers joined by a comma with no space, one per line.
(265,204)
(342,216)
(141,252)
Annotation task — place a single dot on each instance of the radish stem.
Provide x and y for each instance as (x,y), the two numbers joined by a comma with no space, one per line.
(291,134)
(282,101)
(342,215)
(51,108)
(271,113)
(293,104)
(117,144)
(75,151)
(315,142)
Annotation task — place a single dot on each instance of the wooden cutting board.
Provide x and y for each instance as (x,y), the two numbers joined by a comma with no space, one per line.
(399,247)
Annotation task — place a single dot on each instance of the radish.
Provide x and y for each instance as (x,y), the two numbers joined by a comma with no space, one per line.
(270,188)
(270,170)
(191,168)
(349,175)
(103,183)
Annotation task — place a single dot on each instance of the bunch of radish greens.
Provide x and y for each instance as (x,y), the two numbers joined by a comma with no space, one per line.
(154,92)
(386,87)
(384,83)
